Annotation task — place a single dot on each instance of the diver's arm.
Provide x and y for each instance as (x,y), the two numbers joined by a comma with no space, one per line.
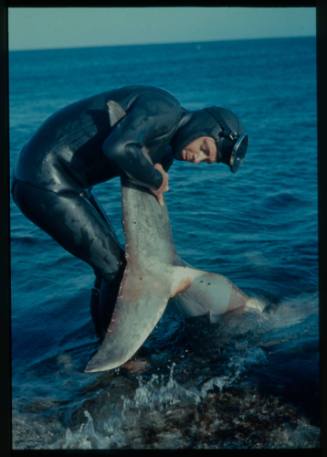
(132,160)
(126,144)
(168,158)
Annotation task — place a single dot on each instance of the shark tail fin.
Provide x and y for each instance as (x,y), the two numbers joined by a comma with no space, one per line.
(142,299)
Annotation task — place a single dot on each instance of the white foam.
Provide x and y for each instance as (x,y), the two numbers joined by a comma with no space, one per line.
(254,304)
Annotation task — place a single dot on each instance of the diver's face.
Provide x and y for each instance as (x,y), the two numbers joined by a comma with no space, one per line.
(203,149)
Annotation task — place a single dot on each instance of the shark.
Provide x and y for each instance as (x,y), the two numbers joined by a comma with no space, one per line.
(154,274)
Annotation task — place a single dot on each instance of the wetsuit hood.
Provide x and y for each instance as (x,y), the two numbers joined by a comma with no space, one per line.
(207,122)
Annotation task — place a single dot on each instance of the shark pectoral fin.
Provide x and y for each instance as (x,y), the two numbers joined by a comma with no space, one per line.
(182,278)
(142,299)
(210,293)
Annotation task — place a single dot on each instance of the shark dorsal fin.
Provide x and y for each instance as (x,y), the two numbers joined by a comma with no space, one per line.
(115,112)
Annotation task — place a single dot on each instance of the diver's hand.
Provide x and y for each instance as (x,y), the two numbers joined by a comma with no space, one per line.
(158,193)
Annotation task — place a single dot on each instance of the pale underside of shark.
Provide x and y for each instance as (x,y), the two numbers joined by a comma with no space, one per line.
(154,273)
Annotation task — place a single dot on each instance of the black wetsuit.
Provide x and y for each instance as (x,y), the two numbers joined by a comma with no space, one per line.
(76,148)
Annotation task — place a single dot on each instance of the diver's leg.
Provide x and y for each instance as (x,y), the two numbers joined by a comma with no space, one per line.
(72,220)
(102,301)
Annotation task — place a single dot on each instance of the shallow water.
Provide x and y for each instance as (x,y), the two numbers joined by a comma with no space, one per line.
(249,381)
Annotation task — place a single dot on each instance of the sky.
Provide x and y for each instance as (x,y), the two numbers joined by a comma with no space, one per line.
(44,28)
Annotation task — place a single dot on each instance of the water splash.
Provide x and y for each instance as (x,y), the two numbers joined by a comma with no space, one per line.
(213,406)
(163,414)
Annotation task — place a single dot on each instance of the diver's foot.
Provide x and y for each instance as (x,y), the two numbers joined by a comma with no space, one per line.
(136,365)
(254,305)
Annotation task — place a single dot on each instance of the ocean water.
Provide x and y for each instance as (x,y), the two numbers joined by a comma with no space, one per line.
(249,381)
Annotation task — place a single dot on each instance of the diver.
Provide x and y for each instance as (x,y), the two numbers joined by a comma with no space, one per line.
(133,132)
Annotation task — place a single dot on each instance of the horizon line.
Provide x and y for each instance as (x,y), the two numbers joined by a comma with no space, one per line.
(159,43)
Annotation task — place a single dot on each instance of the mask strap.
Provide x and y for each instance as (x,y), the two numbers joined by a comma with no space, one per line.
(226,132)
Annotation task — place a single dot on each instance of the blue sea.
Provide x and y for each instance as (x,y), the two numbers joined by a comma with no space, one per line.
(249,381)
